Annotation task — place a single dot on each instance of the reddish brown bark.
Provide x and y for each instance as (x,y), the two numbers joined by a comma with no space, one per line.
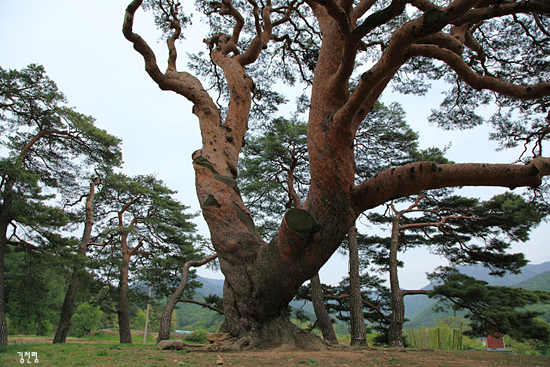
(260,277)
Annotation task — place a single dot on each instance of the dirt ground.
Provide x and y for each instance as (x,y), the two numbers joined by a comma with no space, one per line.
(374,357)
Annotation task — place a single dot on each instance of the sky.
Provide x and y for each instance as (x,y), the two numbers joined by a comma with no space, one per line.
(81,46)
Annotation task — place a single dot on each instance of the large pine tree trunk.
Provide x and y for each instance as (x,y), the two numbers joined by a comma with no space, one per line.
(123,316)
(323,318)
(68,304)
(357,320)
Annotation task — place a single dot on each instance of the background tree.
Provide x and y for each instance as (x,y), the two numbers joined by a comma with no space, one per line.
(78,268)
(34,289)
(166,316)
(324,45)
(49,148)
(144,221)
(383,140)
(494,310)
(463,230)
(87,317)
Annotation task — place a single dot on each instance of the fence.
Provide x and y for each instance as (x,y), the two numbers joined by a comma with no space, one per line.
(435,338)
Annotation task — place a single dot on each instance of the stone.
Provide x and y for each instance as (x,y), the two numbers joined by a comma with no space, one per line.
(170,344)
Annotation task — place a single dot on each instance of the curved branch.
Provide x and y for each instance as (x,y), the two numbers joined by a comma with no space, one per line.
(139,43)
(407,292)
(476,81)
(166,317)
(202,304)
(413,178)
(488,12)
(361,8)
(444,40)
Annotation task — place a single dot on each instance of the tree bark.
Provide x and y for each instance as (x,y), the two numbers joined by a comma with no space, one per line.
(5,217)
(323,318)
(68,304)
(395,338)
(123,316)
(357,320)
(166,317)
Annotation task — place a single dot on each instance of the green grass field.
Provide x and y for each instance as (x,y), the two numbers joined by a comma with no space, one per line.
(111,354)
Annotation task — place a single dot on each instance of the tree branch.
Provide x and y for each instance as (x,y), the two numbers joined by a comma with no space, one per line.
(476,81)
(202,304)
(415,177)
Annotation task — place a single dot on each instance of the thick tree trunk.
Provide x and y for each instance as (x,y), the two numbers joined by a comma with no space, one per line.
(123,316)
(395,337)
(4,222)
(357,320)
(166,317)
(68,304)
(67,311)
(323,318)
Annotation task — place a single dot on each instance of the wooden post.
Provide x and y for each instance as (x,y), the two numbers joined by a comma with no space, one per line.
(460,337)
(414,339)
(453,342)
(146,317)
(438,341)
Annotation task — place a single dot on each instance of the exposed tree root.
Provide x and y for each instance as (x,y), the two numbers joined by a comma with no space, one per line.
(279,335)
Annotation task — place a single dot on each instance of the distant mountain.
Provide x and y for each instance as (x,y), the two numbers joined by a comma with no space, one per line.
(539,282)
(210,286)
(482,273)
(418,308)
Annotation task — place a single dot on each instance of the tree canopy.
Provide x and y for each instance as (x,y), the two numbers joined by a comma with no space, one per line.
(49,149)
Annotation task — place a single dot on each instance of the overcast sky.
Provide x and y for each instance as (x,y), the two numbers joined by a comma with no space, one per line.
(81,45)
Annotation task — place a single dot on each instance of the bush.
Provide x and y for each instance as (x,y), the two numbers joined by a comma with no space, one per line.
(86,318)
(197,336)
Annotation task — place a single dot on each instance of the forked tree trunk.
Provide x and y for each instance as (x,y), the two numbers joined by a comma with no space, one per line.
(323,318)
(123,316)
(67,309)
(166,317)
(357,319)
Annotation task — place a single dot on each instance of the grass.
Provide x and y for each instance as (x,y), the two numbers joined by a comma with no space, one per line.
(108,336)
(110,354)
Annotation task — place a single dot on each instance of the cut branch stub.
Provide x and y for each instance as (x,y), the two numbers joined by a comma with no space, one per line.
(434,21)
(300,222)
